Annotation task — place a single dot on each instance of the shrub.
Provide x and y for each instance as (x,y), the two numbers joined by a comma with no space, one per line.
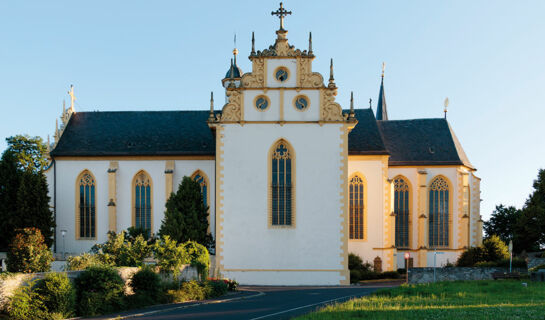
(57,293)
(26,304)
(198,257)
(470,257)
(490,253)
(189,290)
(504,263)
(28,252)
(147,282)
(217,288)
(232,285)
(123,250)
(99,290)
(84,261)
(390,275)
(495,249)
(354,262)
(170,256)
(359,270)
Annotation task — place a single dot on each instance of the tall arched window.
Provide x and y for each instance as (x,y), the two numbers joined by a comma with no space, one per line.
(142,217)
(201,179)
(401,209)
(282,184)
(86,206)
(439,213)
(357,207)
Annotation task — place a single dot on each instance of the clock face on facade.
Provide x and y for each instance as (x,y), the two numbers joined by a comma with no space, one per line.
(301,102)
(261,103)
(281,74)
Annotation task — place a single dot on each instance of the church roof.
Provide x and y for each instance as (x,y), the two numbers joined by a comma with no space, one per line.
(136,133)
(422,142)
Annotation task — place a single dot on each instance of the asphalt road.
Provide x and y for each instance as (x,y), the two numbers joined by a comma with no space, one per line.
(262,303)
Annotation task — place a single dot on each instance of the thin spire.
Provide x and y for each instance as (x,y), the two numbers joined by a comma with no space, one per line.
(235,50)
(331,77)
(370,103)
(253,43)
(72,97)
(352,113)
(382,112)
(63,106)
(310,43)
(211,116)
(446,106)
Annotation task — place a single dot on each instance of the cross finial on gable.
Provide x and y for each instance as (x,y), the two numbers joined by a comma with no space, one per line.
(281,13)
(72,97)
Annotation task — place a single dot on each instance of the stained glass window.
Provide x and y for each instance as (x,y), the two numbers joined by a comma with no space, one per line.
(357,206)
(282,185)
(301,102)
(401,210)
(439,213)
(199,178)
(281,74)
(261,103)
(87,206)
(142,201)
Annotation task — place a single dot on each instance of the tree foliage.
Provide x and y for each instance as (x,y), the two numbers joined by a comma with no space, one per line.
(28,252)
(502,223)
(123,251)
(186,215)
(24,199)
(493,250)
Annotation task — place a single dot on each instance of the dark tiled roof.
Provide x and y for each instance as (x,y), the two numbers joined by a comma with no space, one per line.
(422,142)
(365,138)
(136,133)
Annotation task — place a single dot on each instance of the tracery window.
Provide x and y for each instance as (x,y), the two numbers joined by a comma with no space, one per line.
(401,210)
(142,201)
(357,207)
(86,206)
(282,184)
(439,227)
(201,180)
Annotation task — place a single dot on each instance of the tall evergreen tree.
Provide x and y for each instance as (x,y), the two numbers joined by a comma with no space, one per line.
(24,200)
(530,234)
(186,215)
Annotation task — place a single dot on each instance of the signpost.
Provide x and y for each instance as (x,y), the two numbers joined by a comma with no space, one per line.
(510,256)
(407,256)
(435,253)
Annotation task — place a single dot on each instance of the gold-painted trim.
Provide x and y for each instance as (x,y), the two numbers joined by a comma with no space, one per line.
(207,183)
(285,122)
(281,68)
(219,198)
(283,270)
(133,203)
(293,182)
(343,178)
(133,158)
(301,96)
(411,240)
(112,195)
(76,193)
(281,103)
(266,98)
(169,178)
(365,205)
(451,211)
(388,218)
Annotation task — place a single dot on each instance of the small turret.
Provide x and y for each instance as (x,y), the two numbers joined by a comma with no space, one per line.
(382,113)
(234,74)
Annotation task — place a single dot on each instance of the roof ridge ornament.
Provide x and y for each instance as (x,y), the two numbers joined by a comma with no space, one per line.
(446,103)
(331,77)
(281,13)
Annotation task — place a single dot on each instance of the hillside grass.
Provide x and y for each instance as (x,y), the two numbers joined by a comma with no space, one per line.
(505,299)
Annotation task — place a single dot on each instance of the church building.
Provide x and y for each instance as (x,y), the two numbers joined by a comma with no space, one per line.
(293,182)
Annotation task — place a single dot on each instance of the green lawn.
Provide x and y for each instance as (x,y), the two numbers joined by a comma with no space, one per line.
(445,300)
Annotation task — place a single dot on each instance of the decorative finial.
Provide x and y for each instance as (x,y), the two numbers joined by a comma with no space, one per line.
(235,50)
(310,43)
(331,77)
(72,97)
(383,68)
(370,103)
(48,144)
(446,106)
(253,43)
(211,116)
(63,106)
(281,13)
(351,104)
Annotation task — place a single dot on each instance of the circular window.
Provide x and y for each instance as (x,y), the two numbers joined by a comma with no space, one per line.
(261,103)
(301,102)
(281,74)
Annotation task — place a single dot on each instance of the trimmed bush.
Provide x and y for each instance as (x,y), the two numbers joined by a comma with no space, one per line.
(28,252)
(170,256)
(99,290)
(217,288)
(189,290)
(198,257)
(57,294)
(26,304)
(84,261)
(147,284)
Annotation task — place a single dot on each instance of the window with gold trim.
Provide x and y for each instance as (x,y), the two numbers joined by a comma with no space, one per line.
(86,206)
(439,221)
(357,206)
(201,180)
(142,201)
(401,210)
(282,185)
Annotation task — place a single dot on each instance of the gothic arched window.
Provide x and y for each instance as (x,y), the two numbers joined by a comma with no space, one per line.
(201,179)
(86,206)
(401,210)
(357,207)
(142,217)
(282,184)
(439,221)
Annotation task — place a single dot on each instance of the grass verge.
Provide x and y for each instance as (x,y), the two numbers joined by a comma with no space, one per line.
(445,300)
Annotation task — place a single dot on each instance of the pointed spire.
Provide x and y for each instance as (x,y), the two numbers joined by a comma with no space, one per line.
(72,97)
(382,113)
(253,44)
(331,77)
(446,106)
(211,115)
(48,144)
(232,75)
(63,106)
(235,50)
(310,43)
(352,113)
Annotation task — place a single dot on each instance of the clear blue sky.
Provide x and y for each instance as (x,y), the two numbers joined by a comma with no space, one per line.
(488,57)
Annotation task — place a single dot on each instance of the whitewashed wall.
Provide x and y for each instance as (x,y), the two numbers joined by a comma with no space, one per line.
(253,252)
(68,171)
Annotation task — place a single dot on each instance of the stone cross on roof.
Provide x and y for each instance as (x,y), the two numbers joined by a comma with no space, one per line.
(281,13)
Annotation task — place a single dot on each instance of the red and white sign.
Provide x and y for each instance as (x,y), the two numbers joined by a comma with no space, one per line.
(407,255)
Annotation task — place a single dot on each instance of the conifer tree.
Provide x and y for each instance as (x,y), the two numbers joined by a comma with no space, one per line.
(530,233)
(186,215)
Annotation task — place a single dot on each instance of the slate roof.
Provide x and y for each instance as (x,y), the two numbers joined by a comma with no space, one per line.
(408,142)
(136,133)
